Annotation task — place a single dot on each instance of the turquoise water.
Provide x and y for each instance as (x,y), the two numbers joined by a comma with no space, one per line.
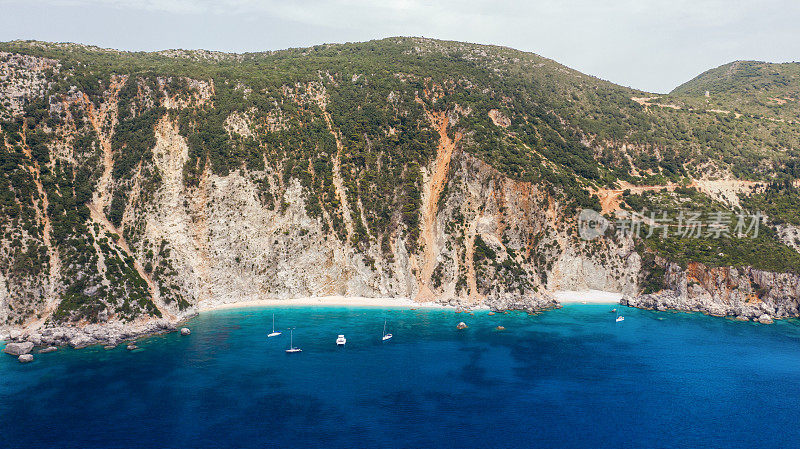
(566,378)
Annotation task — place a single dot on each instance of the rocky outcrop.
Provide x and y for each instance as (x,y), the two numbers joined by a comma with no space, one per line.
(22,77)
(17,349)
(789,235)
(25,358)
(745,293)
(534,303)
(765,319)
(89,335)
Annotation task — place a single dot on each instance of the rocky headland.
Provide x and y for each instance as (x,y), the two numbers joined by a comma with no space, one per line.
(742,293)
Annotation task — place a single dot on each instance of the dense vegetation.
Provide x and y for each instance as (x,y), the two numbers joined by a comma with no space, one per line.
(780,201)
(687,226)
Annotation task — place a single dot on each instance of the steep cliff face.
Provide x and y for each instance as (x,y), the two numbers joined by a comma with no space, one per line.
(744,293)
(484,238)
(436,171)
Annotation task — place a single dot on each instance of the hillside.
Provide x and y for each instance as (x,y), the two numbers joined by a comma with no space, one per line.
(755,89)
(746,78)
(139,185)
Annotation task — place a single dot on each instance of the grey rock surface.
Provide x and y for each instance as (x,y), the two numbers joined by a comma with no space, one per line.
(745,293)
(17,349)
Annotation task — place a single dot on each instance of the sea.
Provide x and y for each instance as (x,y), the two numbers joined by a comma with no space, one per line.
(567,378)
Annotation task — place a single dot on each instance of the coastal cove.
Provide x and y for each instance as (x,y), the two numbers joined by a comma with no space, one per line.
(115,332)
(223,229)
(565,378)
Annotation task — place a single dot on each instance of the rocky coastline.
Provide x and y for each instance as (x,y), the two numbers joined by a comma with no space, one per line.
(538,302)
(106,334)
(746,294)
(112,334)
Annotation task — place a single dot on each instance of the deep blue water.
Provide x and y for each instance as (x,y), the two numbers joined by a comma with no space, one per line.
(566,378)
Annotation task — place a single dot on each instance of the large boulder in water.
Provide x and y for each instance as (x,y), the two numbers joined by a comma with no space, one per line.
(18,349)
(765,319)
(25,358)
(461,325)
(185,331)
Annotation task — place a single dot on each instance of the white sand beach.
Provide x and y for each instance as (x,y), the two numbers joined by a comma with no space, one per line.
(587,297)
(564,297)
(340,301)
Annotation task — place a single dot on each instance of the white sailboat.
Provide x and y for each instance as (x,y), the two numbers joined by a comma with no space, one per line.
(292,349)
(385,335)
(619,317)
(273,334)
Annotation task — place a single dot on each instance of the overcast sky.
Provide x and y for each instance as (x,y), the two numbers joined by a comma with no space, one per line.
(650,45)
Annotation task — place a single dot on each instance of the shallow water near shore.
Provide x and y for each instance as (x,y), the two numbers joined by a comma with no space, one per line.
(565,378)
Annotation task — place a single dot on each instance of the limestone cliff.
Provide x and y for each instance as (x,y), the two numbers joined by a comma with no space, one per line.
(743,293)
(138,188)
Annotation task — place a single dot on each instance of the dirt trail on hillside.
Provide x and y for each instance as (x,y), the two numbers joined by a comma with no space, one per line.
(106,115)
(472,280)
(645,101)
(199,231)
(338,182)
(726,190)
(430,200)
(155,294)
(42,215)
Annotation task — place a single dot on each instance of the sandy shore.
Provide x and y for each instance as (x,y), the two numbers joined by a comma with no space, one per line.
(587,297)
(340,301)
(564,297)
